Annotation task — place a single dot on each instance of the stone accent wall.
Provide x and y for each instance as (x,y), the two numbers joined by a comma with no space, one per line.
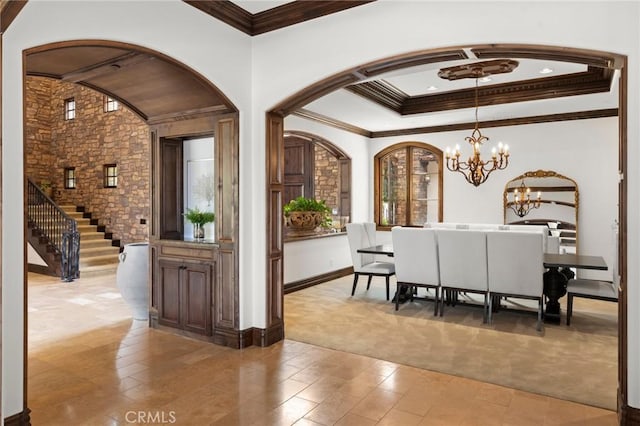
(39,158)
(94,138)
(326,184)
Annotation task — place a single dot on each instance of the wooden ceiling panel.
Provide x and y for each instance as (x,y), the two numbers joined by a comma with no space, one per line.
(151,85)
(62,61)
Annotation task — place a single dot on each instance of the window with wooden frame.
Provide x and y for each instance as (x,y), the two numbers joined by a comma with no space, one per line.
(408,185)
(110,176)
(69,109)
(70,178)
(110,104)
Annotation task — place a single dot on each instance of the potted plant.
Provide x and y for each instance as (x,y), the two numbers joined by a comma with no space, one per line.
(304,215)
(199,218)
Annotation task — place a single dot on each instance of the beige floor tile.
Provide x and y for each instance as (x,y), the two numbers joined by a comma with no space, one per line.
(112,366)
(396,417)
(377,404)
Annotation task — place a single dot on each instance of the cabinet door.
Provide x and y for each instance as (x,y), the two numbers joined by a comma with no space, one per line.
(197,298)
(169,276)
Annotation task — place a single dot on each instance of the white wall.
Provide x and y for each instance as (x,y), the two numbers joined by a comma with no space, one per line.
(170,27)
(33,257)
(309,53)
(310,258)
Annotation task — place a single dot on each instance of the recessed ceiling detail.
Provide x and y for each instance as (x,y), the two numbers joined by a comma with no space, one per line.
(478,69)
(594,80)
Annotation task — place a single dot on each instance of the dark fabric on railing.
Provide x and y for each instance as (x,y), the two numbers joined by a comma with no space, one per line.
(60,230)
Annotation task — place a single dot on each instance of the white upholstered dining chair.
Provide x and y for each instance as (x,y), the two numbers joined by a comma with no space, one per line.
(361,235)
(415,253)
(463,263)
(595,289)
(515,267)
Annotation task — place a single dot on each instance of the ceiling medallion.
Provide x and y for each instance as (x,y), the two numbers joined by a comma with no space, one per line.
(475,170)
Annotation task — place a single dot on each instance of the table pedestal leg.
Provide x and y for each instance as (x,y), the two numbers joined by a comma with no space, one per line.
(555,286)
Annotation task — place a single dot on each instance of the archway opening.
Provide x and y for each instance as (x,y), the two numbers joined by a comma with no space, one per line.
(295,104)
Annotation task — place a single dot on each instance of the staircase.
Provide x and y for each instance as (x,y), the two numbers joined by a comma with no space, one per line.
(98,255)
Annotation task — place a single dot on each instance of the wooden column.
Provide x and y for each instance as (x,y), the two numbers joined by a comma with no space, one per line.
(274,330)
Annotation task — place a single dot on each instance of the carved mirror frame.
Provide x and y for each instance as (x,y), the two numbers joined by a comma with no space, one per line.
(548,199)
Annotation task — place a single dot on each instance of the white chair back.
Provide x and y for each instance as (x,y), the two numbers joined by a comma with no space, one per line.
(415,254)
(553,245)
(463,259)
(361,235)
(515,263)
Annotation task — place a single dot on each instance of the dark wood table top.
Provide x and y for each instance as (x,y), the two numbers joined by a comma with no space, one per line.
(569,260)
(383,249)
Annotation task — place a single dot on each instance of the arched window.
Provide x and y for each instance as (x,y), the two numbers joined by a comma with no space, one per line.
(316,168)
(408,185)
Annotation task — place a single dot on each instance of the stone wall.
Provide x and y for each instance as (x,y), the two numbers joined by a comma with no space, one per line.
(39,159)
(94,138)
(326,177)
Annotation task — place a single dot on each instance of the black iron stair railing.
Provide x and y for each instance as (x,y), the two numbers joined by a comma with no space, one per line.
(58,228)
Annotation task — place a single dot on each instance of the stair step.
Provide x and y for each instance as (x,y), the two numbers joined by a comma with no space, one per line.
(82,228)
(98,260)
(98,251)
(95,243)
(92,236)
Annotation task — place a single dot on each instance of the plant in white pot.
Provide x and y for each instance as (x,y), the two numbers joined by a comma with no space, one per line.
(199,218)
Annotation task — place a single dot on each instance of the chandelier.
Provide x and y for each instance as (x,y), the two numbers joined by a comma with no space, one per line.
(476,170)
(522,203)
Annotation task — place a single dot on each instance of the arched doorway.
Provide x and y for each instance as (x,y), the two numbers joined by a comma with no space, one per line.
(274,150)
(177,103)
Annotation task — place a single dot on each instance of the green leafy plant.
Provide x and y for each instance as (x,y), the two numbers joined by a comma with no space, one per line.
(197,216)
(303,204)
(45,184)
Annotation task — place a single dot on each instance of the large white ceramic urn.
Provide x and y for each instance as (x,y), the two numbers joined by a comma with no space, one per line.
(132,278)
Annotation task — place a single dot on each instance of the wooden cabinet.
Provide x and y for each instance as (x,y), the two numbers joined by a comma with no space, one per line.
(184,295)
(195,284)
(183,285)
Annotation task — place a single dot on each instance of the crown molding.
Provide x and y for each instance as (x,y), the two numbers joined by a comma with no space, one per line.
(272,19)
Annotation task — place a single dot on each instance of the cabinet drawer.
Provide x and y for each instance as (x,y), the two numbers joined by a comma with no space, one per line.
(204,253)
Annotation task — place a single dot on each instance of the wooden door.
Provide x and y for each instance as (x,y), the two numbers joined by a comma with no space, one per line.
(171,183)
(196,295)
(169,277)
(298,169)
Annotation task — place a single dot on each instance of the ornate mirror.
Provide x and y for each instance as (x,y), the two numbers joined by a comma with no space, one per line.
(544,197)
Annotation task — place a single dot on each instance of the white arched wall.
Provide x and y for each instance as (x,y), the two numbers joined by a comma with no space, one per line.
(309,53)
(215,50)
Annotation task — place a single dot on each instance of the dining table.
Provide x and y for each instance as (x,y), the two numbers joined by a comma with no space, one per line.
(559,272)
(555,279)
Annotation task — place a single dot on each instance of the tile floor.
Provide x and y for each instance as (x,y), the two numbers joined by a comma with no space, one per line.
(91,364)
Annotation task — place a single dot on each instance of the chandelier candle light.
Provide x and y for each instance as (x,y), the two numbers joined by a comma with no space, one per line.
(475,169)
(522,203)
